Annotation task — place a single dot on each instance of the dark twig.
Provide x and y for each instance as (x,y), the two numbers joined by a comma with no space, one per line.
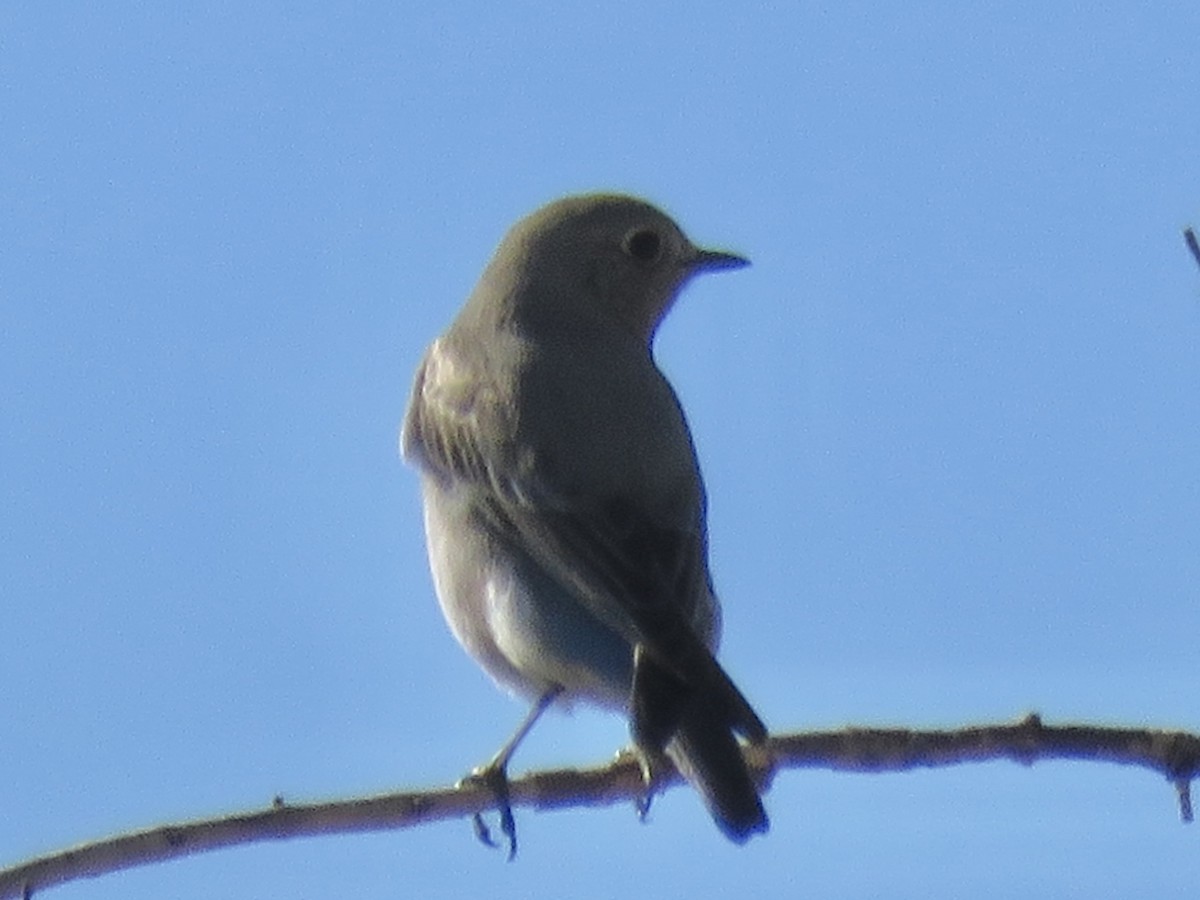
(1173,754)
(1189,237)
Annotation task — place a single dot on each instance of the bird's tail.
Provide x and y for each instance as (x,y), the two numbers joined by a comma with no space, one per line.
(709,756)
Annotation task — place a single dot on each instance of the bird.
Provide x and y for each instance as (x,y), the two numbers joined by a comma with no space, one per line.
(564,507)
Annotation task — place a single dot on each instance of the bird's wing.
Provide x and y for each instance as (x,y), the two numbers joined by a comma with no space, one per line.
(443,427)
(639,577)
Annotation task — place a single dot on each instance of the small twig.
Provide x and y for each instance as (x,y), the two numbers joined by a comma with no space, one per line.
(1174,754)
(1183,787)
(1189,237)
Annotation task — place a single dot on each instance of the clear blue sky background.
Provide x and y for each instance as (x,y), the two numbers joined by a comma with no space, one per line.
(950,421)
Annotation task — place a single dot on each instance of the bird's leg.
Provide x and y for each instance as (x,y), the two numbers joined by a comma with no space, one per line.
(494,775)
(656,705)
(650,764)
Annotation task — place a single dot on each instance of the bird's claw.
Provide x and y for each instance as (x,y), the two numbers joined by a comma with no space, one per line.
(645,762)
(495,779)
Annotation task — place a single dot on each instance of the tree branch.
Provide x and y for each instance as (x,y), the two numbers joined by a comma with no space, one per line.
(1189,237)
(1174,754)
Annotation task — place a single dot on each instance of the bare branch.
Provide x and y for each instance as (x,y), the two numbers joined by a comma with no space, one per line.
(1173,754)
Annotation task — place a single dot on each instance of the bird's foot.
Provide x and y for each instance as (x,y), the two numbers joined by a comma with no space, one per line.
(494,776)
(650,778)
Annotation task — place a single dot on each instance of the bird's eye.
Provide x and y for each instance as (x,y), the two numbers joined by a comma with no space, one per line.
(643,245)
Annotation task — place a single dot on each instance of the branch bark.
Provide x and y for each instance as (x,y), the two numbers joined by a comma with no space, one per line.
(1174,754)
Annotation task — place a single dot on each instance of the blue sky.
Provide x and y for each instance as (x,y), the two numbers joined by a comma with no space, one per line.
(949,421)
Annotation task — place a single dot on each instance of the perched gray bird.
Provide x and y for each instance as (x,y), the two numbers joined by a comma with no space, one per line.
(564,508)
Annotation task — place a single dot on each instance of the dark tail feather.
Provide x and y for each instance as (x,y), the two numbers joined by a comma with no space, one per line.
(709,756)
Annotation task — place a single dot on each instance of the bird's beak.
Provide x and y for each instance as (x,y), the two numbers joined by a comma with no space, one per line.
(715,260)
